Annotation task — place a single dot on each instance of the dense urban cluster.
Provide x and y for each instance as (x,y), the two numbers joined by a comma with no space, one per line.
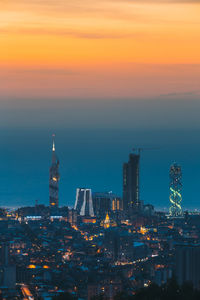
(44,256)
(106,247)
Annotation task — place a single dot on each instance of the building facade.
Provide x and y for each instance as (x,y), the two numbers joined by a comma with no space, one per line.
(83,204)
(106,202)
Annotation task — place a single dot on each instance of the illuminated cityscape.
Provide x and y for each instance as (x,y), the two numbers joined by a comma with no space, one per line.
(106,246)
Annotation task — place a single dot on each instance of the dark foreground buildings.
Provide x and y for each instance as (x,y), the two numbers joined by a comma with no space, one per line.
(187,264)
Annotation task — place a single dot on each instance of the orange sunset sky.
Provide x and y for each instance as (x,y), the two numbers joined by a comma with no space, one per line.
(99,48)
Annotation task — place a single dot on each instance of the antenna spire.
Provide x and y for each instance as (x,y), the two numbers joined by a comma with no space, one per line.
(53,148)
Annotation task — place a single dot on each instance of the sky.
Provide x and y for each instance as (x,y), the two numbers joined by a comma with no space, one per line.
(104,76)
(94,49)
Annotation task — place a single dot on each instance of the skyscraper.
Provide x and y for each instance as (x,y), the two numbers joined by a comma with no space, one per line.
(175,187)
(131,201)
(84,203)
(54,179)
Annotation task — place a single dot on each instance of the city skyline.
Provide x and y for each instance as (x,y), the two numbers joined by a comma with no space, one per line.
(108,177)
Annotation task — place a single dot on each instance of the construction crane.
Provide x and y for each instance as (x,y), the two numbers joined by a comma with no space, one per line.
(139,149)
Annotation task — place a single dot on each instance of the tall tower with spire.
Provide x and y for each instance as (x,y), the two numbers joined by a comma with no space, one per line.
(54,178)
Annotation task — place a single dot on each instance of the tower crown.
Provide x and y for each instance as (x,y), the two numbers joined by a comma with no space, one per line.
(53,148)
(54,157)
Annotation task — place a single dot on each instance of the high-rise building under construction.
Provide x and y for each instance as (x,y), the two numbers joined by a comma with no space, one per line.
(131,201)
(54,180)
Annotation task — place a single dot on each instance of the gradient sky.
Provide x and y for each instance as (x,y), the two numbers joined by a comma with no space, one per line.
(105,76)
(93,48)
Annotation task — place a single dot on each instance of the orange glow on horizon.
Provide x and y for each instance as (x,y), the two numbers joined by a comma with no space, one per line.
(46,44)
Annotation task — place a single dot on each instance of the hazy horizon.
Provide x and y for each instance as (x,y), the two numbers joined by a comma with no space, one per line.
(104,76)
